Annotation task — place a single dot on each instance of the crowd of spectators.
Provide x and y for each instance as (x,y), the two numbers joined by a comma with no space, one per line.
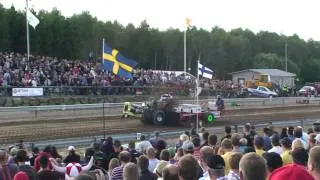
(291,154)
(17,71)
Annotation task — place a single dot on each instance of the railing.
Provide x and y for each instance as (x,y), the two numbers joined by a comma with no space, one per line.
(171,135)
(123,90)
(56,112)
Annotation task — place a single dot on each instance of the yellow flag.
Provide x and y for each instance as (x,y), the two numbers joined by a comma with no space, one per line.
(188,22)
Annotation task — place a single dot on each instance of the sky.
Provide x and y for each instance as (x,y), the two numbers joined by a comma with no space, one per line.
(286,17)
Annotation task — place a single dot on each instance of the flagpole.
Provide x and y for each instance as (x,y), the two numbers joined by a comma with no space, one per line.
(28,39)
(185,51)
(197,95)
(103,115)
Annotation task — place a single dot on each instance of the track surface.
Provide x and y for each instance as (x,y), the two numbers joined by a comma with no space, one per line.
(91,124)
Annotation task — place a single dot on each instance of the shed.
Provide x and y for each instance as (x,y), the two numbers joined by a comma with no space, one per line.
(276,76)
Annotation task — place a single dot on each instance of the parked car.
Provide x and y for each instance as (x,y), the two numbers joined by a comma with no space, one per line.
(261,91)
(307,90)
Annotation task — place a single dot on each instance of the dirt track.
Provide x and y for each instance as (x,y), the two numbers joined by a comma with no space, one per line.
(90,125)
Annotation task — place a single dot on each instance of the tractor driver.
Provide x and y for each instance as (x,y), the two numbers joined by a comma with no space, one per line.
(220,104)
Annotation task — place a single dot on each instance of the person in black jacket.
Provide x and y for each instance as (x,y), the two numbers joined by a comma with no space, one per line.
(145,174)
(72,156)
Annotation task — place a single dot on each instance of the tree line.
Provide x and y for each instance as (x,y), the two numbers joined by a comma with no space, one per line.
(80,37)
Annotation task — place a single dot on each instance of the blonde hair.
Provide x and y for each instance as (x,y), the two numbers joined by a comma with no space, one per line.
(130,172)
(297,143)
(114,162)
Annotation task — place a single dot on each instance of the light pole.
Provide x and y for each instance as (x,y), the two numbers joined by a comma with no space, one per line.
(286,55)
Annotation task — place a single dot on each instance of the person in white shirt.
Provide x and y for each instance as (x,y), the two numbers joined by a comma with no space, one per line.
(275,141)
(143,145)
(153,161)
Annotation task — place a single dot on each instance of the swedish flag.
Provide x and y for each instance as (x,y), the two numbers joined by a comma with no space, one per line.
(113,61)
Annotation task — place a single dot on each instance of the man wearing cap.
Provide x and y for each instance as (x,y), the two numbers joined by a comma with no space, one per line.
(188,148)
(143,145)
(314,162)
(216,166)
(72,157)
(286,151)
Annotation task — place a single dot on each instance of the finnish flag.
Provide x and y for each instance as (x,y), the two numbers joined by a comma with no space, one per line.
(204,71)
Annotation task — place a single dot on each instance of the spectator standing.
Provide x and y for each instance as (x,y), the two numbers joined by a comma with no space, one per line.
(45,173)
(300,156)
(159,169)
(283,133)
(21,159)
(7,171)
(314,162)
(216,167)
(205,138)
(258,145)
(130,172)
(155,139)
(117,173)
(274,161)
(286,151)
(143,145)
(46,152)
(145,174)
(235,141)
(252,167)
(170,172)
(100,160)
(266,139)
(275,141)
(134,153)
(165,155)
(227,131)
(187,168)
(196,142)
(234,167)
(114,162)
(107,147)
(153,161)
(212,141)
(248,134)
(117,149)
(226,152)
(205,154)
(72,156)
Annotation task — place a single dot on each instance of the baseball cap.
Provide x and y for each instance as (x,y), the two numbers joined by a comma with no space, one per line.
(292,172)
(188,146)
(71,148)
(216,162)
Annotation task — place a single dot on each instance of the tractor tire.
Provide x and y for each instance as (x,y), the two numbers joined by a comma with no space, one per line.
(147,116)
(159,118)
(209,118)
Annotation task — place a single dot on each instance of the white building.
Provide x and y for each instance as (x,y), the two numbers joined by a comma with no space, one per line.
(274,75)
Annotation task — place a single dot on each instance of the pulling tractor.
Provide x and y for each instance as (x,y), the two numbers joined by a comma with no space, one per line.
(169,112)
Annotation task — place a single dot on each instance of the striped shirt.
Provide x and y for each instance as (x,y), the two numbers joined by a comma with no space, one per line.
(117,173)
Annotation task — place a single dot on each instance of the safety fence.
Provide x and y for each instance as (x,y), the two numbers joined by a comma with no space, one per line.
(55,91)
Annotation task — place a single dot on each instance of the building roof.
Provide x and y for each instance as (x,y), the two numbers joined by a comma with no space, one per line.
(272,72)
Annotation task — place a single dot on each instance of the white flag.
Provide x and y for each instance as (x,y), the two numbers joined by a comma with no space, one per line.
(32,19)
(204,71)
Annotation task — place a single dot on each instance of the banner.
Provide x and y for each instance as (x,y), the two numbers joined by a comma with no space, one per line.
(27,91)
